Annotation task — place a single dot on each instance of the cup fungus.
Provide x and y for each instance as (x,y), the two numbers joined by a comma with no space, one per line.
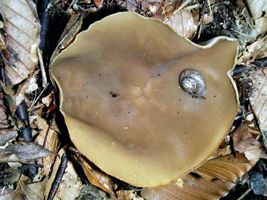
(123,104)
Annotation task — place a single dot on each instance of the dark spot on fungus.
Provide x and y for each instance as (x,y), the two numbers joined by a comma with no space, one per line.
(113,94)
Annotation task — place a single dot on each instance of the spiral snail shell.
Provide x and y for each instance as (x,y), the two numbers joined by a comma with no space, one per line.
(193,82)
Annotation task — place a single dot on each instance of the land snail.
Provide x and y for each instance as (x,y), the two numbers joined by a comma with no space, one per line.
(193,82)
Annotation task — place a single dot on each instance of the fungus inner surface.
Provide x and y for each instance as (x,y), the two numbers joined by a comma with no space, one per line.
(124,107)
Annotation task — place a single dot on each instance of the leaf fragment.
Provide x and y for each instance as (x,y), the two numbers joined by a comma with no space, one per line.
(190,187)
(213,180)
(97,177)
(245,143)
(9,194)
(128,195)
(258,98)
(7,135)
(224,168)
(21,30)
(25,151)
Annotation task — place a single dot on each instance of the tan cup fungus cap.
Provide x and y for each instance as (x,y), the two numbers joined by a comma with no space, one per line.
(124,106)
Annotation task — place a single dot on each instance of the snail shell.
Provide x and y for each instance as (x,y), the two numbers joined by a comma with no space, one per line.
(193,82)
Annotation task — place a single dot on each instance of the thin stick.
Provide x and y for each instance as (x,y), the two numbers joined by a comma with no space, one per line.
(182,6)
(43,72)
(245,194)
(37,98)
(202,18)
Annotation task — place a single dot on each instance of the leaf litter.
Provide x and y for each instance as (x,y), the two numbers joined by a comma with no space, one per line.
(27,151)
(21,45)
(221,177)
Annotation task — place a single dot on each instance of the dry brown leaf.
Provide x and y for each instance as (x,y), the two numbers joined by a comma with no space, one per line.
(242,138)
(97,177)
(72,28)
(9,176)
(9,194)
(48,99)
(224,168)
(6,135)
(258,98)
(34,190)
(220,175)
(257,49)
(21,30)
(254,153)
(70,185)
(130,5)
(183,23)
(128,195)
(258,9)
(189,187)
(12,158)
(26,151)
(49,139)
(3,116)
(222,152)
(244,142)
(98,3)
(27,86)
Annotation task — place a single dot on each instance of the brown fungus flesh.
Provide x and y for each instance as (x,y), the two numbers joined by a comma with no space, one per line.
(123,105)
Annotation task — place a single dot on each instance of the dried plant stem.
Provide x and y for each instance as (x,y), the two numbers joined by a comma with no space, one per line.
(37,98)
(43,71)
(202,18)
(182,6)
(244,194)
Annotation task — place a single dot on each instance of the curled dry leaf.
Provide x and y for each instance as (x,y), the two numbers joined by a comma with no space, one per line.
(97,177)
(72,28)
(22,40)
(27,151)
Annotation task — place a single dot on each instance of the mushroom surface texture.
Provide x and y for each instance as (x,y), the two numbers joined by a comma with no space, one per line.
(123,104)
